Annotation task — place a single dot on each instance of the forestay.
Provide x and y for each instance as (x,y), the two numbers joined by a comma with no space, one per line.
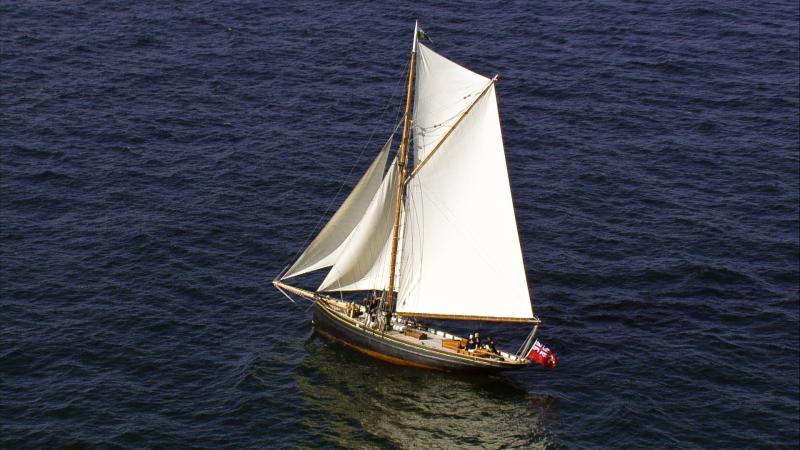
(460,253)
(328,245)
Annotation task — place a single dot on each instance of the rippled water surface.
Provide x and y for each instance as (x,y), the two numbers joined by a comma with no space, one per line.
(161,162)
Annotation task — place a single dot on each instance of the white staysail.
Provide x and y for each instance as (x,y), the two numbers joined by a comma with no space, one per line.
(461,254)
(326,247)
(443,91)
(363,263)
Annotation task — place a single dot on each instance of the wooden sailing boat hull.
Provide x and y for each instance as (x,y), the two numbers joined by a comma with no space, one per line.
(387,348)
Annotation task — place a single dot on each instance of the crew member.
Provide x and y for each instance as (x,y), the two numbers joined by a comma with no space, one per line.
(489,345)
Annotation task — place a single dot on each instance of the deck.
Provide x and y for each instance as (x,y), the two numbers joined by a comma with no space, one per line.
(434,339)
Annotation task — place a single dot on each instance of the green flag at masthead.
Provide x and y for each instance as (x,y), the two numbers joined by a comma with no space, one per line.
(423,35)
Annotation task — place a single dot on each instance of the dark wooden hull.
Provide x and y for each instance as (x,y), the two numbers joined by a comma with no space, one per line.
(396,351)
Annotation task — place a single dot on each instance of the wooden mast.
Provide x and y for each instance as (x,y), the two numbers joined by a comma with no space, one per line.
(401,180)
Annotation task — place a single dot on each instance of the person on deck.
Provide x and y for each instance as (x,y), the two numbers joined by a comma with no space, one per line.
(489,345)
(471,345)
(369,310)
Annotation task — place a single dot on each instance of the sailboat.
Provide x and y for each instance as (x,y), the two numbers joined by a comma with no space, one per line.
(433,236)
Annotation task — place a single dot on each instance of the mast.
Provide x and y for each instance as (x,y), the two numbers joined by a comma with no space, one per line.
(401,179)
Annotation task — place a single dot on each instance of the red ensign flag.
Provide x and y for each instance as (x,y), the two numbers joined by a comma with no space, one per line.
(543,355)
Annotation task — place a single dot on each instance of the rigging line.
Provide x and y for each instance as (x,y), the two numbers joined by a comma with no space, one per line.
(526,343)
(399,112)
(410,241)
(282,272)
(385,258)
(443,122)
(287,295)
(448,119)
(316,227)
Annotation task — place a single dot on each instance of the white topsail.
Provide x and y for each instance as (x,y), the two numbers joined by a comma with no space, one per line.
(443,91)
(363,263)
(327,246)
(461,254)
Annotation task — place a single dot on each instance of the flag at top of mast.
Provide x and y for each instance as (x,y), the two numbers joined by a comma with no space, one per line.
(419,33)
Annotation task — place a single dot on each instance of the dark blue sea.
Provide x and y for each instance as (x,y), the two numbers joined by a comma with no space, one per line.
(162,162)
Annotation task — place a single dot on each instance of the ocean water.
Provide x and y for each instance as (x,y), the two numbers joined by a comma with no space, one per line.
(161,162)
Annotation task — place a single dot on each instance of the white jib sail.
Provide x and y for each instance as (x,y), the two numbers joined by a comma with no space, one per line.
(326,247)
(363,263)
(461,254)
(443,91)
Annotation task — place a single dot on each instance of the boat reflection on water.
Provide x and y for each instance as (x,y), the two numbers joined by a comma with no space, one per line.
(351,400)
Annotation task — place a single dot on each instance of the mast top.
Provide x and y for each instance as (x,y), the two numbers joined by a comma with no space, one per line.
(416,31)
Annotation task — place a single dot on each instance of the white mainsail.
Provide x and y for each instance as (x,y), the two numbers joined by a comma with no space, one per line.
(326,247)
(363,263)
(461,254)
